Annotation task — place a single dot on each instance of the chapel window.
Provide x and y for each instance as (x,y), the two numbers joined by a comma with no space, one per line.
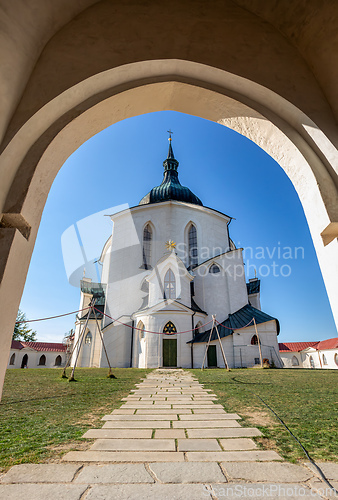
(147,238)
(192,244)
(141,328)
(295,361)
(12,360)
(169,328)
(254,340)
(214,269)
(336,359)
(324,360)
(169,285)
(42,360)
(312,363)
(58,360)
(89,338)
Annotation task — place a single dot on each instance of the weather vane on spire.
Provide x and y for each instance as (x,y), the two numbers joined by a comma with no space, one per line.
(170,132)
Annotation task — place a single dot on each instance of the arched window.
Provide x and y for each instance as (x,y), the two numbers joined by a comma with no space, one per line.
(12,360)
(324,359)
(89,338)
(169,285)
(312,363)
(214,269)
(295,361)
(24,362)
(254,340)
(197,328)
(169,328)
(147,237)
(42,360)
(58,360)
(192,247)
(141,330)
(336,359)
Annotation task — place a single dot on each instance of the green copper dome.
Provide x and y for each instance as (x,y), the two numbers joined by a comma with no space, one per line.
(170,188)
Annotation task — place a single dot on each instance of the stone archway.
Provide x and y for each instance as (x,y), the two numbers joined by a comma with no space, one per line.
(236,62)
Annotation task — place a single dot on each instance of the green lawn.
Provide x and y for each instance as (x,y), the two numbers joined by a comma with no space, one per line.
(306,400)
(42,415)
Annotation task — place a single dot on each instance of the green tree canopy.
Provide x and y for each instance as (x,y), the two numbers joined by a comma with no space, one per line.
(21,330)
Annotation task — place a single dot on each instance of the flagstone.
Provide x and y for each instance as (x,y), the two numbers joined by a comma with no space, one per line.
(211,416)
(198,445)
(134,445)
(123,456)
(230,432)
(273,472)
(163,412)
(135,418)
(238,444)
(187,472)
(170,433)
(40,473)
(140,424)
(260,491)
(192,407)
(200,424)
(123,411)
(114,473)
(118,433)
(149,491)
(232,456)
(42,491)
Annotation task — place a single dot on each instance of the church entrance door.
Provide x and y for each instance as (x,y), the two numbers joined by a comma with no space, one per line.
(212,356)
(170,352)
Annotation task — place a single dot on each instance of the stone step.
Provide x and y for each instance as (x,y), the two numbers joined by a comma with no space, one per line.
(135,418)
(232,456)
(210,416)
(141,424)
(199,424)
(119,433)
(230,432)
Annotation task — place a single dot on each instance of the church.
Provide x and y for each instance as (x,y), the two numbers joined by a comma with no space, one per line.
(168,269)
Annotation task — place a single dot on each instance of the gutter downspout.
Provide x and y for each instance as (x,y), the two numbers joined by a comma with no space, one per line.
(192,344)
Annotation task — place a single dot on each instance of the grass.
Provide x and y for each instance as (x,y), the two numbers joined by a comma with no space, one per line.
(42,415)
(306,400)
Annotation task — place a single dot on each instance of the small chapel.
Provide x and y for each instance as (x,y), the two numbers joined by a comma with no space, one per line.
(170,271)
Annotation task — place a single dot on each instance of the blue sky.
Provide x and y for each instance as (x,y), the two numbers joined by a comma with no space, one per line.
(227,172)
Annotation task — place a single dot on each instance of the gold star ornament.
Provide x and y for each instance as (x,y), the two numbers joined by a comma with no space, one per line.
(170,245)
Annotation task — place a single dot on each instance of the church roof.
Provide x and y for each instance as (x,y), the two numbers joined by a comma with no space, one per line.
(235,321)
(39,346)
(170,188)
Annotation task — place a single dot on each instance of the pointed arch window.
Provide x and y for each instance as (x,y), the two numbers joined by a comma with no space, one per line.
(12,360)
(170,328)
(192,245)
(42,360)
(147,239)
(89,338)
(58,360)
(141,328)
(214,269)
(169,285)
(254,340)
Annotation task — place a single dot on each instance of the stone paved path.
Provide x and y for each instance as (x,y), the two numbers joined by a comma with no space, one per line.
(169,440)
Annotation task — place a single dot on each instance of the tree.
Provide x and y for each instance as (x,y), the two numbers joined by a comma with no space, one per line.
(21,330)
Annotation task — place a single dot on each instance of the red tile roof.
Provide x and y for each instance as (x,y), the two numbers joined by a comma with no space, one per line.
(16,344)
(296,346)
(40,346)
(328,344)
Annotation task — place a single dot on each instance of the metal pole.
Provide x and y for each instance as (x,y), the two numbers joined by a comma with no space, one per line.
(110,374)
(92,303)
(206,350)
(222,350)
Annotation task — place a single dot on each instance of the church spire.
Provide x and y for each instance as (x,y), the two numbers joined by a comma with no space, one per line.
(170,163)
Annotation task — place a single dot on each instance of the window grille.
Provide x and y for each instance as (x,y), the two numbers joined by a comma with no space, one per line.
(169,328)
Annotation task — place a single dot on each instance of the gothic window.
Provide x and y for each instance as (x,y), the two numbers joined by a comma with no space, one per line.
(169,285)
(192,245)
(197,329)
(89,338)
(214,269)
(254,340)
(12,360)
(58,360)
(169,328)
(312,363)
(147,237)
(295,361)
(42,360)
(324,359)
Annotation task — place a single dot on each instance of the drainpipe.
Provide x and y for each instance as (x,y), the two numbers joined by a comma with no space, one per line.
(192,344)
(132,343)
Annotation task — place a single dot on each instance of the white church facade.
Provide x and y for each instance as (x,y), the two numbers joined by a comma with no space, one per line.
(167,269)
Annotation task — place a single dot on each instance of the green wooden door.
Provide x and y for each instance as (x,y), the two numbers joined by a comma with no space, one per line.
(169,352)
(212,356)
